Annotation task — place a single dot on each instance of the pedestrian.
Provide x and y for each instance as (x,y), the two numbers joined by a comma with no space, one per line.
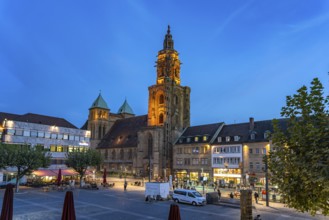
(219,193)
(125,185)
(256,197)
(231,195)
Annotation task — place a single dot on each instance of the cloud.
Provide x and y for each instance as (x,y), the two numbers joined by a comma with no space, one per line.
(316,21)
(230,18)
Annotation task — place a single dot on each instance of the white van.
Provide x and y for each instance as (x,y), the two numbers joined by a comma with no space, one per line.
(188,196)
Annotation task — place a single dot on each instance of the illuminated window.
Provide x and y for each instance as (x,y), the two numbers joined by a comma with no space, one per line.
(52,148)
(59,149)
(204,138)
(196,139)
(228,138)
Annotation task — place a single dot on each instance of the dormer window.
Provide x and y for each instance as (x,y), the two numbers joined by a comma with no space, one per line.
(228,138)
(204,138)
(219,139)
(196,139)
(181,140)
(266,134)
(236,138)
(188,140)
(252,136)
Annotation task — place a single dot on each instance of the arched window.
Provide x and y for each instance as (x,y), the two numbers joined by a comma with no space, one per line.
(161,99)
(161,118)
(149,145)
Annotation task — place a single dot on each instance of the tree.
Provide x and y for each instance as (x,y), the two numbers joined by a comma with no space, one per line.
(81,160)
(24,158)
(299,164)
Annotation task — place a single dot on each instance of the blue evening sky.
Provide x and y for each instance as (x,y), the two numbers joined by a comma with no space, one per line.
(241,58)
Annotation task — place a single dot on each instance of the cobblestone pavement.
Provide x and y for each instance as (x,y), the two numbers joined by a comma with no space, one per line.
(115,203)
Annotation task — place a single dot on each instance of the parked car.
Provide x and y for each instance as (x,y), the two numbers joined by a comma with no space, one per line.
(188,196)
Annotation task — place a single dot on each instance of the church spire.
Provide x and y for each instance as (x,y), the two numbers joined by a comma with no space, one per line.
(168,43)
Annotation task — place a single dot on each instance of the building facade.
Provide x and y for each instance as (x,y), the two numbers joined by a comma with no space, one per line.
(145,143)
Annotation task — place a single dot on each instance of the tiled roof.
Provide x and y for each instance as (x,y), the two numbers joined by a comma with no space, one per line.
(243,131)
(208,130)
(37,119)
(99,103)
(125,108)
(124,133)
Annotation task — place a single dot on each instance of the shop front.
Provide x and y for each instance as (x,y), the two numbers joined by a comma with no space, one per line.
(229,178)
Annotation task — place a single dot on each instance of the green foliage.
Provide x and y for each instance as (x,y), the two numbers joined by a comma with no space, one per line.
(81,160)
(300,162)
(24,158)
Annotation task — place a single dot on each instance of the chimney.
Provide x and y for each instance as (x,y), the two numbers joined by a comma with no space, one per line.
(251,124)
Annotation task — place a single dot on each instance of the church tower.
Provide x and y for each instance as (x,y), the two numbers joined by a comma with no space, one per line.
(98,120)
(169,102)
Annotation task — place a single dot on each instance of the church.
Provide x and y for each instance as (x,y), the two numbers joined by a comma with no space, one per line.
(143,145)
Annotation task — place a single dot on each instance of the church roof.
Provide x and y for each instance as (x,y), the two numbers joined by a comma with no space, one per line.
(125,108)
(123,133)
(99,103)
(37,119)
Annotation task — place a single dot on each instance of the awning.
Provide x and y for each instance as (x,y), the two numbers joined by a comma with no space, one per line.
(66,172)
(44,173)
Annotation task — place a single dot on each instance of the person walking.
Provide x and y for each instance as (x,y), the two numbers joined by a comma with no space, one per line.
(256,197)
(219,193)
(125,185)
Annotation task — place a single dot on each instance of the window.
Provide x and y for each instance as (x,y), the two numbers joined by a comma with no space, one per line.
(52,148)
(187,161)
(252,136)
(204,161)
(250,151)
(53,136)
(228,138)
(251,166)
(26,133)
(34,133)
(121,154)
(257,150)
(179,161)
(65,136)
(195,161)
(236,138)
(204,138)
(41,134)
(18,132)
(161,118)
(257,166)
(195,150)
(59,149)
(47,135)
(60,136)
(188,140)
(113,154)
(264,150)
(181,140)
(219,139)
(71,137)
(161,99)
(216,160)
(130,154)
(196,139)
(179,150)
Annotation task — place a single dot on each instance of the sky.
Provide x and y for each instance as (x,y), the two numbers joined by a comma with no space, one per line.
(241,58)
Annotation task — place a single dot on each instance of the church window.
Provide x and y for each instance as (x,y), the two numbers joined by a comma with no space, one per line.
(161,99)
(161,118)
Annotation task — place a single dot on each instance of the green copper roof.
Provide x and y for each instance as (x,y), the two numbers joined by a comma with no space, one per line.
(125,108)
(99,103)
